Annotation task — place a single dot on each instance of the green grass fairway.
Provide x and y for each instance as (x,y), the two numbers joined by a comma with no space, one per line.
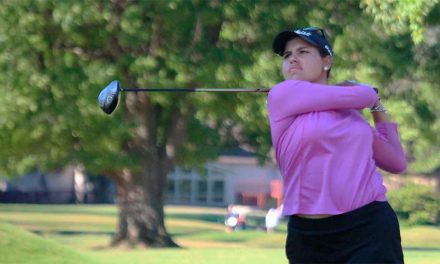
(81,233)
(20,246)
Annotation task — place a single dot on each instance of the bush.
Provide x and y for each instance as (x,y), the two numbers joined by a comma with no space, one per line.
(417,204)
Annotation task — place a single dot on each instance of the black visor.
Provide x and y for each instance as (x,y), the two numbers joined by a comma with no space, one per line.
(313,35)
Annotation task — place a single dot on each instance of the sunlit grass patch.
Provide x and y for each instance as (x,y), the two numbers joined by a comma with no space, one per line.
(421,237)
(19,246)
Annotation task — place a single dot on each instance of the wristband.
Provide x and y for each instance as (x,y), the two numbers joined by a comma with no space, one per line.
(378,108)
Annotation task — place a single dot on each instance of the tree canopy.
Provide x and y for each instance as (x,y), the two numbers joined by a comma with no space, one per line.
(56,56)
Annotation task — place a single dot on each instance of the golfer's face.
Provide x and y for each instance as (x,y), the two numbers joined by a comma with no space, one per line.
(302,61)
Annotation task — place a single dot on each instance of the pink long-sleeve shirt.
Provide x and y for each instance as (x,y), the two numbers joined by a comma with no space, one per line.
(326,151)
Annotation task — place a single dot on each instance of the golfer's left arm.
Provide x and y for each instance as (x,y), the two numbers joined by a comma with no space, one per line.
(387,149)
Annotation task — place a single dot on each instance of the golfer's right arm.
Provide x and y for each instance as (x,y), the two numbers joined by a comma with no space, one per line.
(294,97)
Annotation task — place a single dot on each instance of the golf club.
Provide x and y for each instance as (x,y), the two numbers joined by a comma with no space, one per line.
(109,96)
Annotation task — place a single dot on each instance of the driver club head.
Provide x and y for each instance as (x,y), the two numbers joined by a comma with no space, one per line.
(109,96)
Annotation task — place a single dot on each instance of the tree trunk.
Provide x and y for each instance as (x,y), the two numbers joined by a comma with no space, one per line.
(141,202)
(141,194)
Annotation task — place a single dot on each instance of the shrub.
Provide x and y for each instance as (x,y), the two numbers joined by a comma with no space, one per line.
(415,203)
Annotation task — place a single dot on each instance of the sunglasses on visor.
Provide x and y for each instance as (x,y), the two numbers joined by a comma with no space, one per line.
(318,30)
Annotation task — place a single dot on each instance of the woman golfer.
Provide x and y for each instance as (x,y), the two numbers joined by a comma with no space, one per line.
(328,155)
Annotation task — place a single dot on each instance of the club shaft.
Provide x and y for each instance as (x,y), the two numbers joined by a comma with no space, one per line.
(231,90)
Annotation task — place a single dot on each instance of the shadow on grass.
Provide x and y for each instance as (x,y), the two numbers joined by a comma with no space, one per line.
(99,233)
(421,249)
(104,233)
(211,236)
(218,237)
(200,217)
(58,209)
(72,233)
(189,233)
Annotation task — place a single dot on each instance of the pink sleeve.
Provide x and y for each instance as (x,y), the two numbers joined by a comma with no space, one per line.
(387,149)
(294,97)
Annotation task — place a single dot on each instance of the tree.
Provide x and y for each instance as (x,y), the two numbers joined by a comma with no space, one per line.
(55,58)
(413,26)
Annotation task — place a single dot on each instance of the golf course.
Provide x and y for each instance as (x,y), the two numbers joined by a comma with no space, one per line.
(81,234)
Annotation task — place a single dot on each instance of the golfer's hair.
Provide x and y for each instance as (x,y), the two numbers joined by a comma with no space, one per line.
(324,54)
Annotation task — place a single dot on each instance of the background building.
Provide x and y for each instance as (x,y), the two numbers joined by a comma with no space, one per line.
(229,180)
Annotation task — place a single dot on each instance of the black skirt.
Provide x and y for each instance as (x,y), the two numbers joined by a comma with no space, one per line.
(369,234)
